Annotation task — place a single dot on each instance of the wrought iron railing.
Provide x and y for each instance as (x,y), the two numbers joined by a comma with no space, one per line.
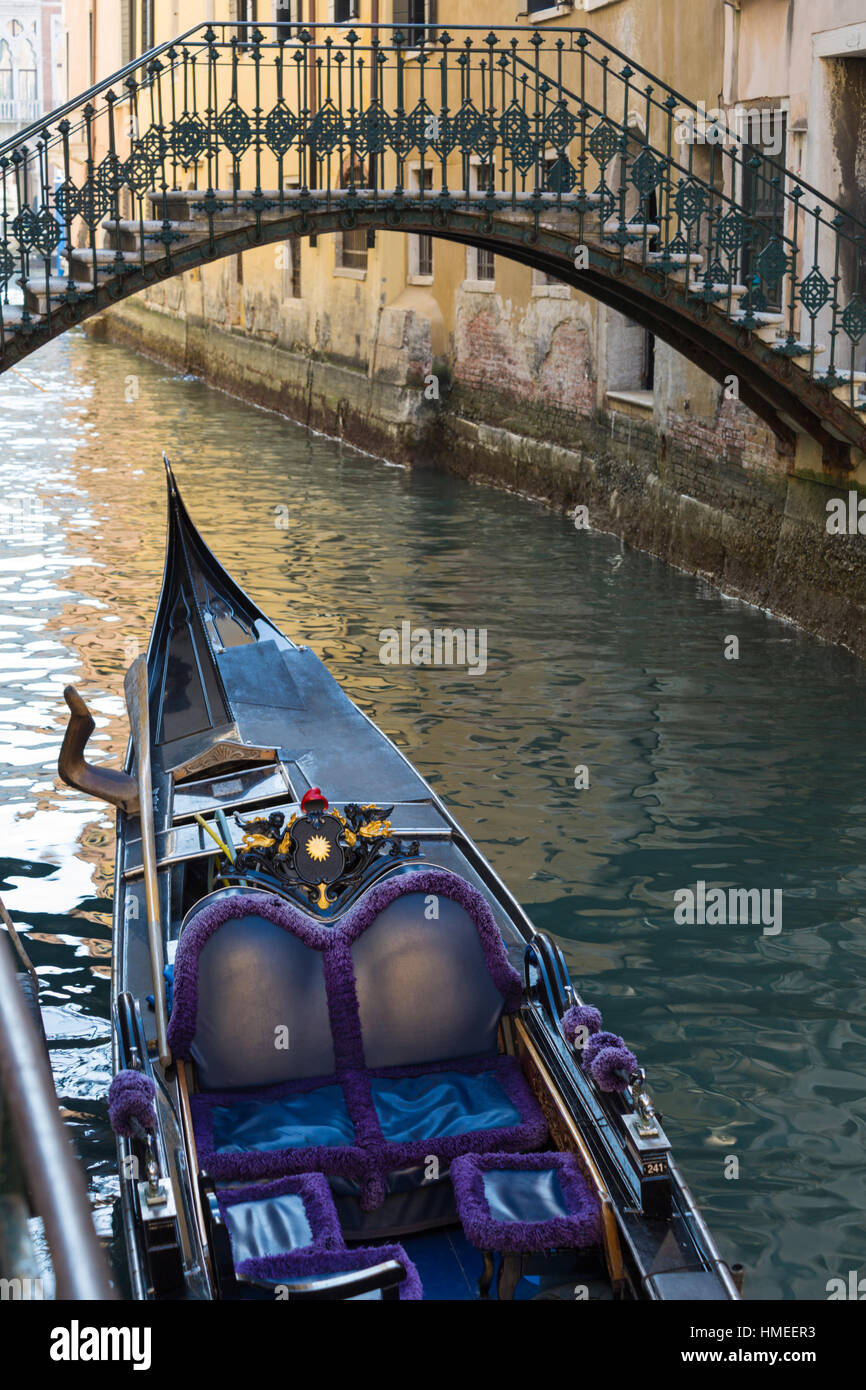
(260,119)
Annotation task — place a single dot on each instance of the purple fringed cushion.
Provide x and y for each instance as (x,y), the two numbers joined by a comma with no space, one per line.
(311,1262)
(130,1103)
(596,1044)
(577,1228)
(608,1064)
(580,1016)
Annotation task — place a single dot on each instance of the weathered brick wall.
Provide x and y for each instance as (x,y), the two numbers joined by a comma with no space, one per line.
(540,355)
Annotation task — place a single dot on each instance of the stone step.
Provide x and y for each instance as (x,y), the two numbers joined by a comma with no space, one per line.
(768,325)
(634,230)
(678,266)
(80,264)
(798,353)
(847,381)
(195,195)
(13,315)
(108,262)
(37,292)
(125,235)
(177,204)
(720,292)
(106,255)
(146,225)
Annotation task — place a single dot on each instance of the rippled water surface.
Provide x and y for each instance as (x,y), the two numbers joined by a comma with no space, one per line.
(746,773)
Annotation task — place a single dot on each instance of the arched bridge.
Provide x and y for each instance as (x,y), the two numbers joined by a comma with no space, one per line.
(553,149)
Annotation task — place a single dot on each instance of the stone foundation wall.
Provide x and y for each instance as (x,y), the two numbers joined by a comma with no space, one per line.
(709,492)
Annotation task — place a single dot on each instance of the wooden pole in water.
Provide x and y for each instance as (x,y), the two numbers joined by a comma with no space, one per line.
(135,686)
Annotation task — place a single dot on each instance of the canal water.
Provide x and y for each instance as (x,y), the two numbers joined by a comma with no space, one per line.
(739,773)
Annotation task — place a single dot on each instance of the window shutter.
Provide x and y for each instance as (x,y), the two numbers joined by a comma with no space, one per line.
(126,32)
(401,12)
(431,20)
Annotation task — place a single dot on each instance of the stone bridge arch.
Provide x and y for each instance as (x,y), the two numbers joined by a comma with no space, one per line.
(184,158)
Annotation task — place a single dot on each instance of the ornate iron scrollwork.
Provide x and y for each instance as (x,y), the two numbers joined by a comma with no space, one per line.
(322,857)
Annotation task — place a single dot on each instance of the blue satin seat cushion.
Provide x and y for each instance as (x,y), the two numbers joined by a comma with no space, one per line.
(524,1203)
(515,1196)
(299,1127)
(293,1214)
(268,1226)
(440,1104)
(293,1121)
(456,1107)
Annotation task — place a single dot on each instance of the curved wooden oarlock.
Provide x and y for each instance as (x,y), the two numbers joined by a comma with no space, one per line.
(117,788)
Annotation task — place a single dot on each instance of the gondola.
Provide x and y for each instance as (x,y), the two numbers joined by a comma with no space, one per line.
(346,1065)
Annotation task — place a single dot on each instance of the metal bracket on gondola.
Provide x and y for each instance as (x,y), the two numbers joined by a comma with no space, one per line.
(648,1147)
(155,1194)
(321,856)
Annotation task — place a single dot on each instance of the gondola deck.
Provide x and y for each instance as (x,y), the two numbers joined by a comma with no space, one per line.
(254,882)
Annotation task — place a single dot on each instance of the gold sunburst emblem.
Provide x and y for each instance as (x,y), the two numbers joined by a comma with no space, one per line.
(318,848)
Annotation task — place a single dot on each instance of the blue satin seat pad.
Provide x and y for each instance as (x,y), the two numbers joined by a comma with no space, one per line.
(440,1104)
(267,1226)
(535,1195)
(305,1119)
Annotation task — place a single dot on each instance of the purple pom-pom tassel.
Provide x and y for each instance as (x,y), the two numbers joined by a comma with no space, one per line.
(612,1067)
(597,1043)
(578,1018)
(130,1103)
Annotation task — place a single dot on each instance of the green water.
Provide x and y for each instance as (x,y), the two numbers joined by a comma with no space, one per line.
(744,773)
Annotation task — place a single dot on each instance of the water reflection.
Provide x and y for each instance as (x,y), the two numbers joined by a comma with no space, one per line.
(744,773)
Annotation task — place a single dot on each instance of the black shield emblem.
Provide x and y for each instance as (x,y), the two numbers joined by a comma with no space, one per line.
(318,854)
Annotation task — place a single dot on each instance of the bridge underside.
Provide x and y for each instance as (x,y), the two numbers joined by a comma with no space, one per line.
(802,412)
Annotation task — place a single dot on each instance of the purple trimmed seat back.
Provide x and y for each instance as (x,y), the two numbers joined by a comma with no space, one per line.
(415,972)
(262,1008)
(424,988)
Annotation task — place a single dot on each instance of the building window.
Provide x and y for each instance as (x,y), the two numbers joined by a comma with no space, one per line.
(5,73)
(485,264)
(762,198)
(293,271)
(418,17)
(421,246)
(342,11)
(541,279)
(351,251)
(481,260)
(127,32)
(26,84)
(284,12)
